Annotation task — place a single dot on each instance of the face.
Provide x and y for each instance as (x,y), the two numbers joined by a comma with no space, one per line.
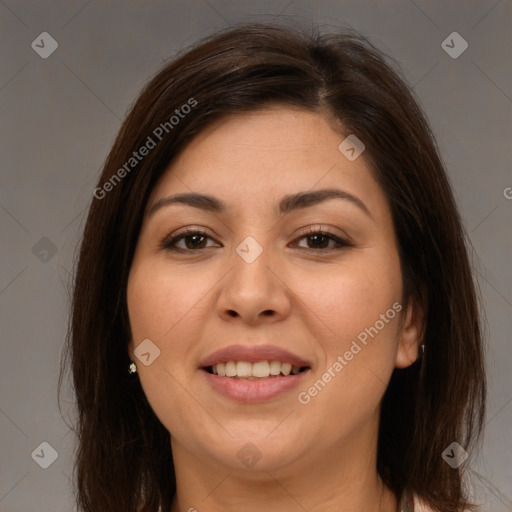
(259,281)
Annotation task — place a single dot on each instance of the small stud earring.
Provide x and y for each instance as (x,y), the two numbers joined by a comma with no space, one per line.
(132,368)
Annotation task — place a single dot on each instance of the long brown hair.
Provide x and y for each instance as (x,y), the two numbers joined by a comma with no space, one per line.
(124,459)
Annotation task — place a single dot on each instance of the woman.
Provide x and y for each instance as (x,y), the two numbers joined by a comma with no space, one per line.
(273,306)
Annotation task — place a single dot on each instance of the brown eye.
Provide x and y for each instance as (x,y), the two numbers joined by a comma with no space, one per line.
(321,239)
(193,239)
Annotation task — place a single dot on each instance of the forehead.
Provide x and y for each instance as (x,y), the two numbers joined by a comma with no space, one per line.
(266,153)
(270,134)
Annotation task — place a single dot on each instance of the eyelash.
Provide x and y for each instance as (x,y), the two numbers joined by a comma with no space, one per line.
(169,244)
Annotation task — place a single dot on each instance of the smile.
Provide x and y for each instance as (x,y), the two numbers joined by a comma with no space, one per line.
(249,388)
(251,371)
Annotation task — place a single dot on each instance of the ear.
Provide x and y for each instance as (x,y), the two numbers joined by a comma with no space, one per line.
(411,334)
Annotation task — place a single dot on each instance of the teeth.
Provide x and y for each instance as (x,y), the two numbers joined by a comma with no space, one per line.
(275,367)
(230,369)
(243,369)
(286,368)
(261,369)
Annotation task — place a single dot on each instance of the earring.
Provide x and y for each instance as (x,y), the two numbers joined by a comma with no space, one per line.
(422,350)
(132,368)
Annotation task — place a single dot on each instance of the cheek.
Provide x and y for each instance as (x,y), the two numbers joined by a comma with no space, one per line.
(159,300)
(348,298)
(359,310)
(164,306)
(354,303)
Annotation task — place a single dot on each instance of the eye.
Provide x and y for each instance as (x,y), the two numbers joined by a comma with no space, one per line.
(320,238)
(193,239)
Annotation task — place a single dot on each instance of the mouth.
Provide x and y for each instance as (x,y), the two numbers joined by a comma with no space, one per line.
(253,373)
(257,371)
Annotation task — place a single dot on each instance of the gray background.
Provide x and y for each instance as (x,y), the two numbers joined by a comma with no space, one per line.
(61,114)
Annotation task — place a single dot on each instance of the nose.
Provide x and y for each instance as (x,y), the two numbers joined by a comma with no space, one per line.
(254,291)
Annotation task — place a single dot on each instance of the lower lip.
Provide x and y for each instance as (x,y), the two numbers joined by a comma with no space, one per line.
(253,391)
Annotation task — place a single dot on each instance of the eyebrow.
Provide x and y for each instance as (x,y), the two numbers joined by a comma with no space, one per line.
(287,204)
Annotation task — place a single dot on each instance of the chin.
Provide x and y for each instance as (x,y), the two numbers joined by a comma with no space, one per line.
(253,455)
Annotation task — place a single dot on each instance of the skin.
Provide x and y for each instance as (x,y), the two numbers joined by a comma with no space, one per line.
(318,456)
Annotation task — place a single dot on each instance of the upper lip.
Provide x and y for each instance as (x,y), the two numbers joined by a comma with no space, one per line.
(253,354)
